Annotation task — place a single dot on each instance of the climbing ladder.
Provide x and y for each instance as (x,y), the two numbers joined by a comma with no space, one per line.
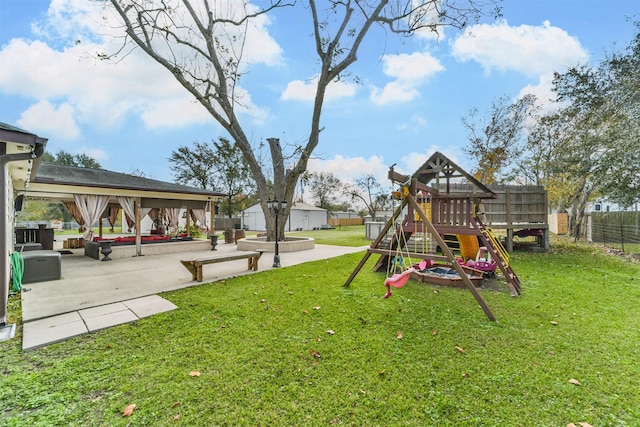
(498,253)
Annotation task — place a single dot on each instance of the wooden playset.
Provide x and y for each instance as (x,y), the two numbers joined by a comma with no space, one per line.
(433,213)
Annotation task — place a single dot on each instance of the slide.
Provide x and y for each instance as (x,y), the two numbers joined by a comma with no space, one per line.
(468,246)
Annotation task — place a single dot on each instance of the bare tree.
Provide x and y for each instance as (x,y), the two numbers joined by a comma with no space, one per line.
(369,191)
(202,44)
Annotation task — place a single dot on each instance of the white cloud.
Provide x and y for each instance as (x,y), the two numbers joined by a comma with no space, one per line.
(47,119)
(411,162)
(530,50)
(103,94)
(409,71)
(546,97)
(350,168)
(299,90)
(414,124)
(94,153)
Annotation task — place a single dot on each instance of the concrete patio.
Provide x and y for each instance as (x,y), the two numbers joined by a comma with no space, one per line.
(94,295)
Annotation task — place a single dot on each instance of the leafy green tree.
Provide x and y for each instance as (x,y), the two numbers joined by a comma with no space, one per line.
(201,43)
(542,163)
(602,153)
(496,139)
(325,187)
(219,166)
(67,159)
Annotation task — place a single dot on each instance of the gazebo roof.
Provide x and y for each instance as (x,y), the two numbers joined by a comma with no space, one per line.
(60,182)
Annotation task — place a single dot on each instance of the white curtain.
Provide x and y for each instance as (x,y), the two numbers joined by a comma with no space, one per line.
(172,215)
(91,207)
(199,217)
(129,213)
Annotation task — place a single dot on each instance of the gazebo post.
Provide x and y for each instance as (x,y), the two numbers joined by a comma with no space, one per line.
(137,209)
(188,225)
(212,219)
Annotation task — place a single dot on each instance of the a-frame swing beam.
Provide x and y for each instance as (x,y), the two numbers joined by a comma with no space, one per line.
(376,242)
(448,254)
(451,258)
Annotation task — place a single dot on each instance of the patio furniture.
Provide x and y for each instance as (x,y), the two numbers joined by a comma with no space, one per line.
(195,265)
(41,266)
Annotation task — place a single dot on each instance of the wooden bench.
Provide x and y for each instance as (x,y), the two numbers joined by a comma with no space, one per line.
(195,265)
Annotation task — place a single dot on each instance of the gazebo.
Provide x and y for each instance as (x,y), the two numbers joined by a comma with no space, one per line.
(86,193)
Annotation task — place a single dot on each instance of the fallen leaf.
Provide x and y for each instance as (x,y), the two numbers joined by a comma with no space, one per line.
(194,374)
(574,381)
(263,300)
(434,333)
(381,373)
(177,417)
(175,405)
(317,307)
(466,375)
(331,332)
(315,354)
(460,349)
(305,312)
(129,410)
(554,323)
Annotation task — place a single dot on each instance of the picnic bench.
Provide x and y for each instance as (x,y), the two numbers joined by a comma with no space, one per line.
(195,265)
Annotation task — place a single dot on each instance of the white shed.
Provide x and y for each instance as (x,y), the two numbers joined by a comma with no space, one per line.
(301,217)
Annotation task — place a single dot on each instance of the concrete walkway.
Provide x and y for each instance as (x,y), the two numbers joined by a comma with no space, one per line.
(94,295)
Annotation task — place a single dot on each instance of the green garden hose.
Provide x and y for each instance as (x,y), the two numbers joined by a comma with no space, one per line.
(17,265)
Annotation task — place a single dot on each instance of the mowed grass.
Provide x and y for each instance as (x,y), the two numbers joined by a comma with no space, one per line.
(294,347)
(345,235)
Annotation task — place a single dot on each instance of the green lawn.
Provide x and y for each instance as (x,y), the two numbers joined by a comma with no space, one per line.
(352,235)
(293,347)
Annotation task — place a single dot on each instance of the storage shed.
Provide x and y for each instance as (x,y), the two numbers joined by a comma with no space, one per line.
(302,217)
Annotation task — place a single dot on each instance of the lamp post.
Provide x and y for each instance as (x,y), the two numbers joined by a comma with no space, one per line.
(277,207)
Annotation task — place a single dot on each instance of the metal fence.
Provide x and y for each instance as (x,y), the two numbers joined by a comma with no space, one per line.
(619,230)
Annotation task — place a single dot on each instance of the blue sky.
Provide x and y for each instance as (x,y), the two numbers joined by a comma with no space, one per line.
(408,103)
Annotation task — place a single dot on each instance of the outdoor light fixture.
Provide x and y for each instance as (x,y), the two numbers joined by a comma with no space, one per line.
(277,207)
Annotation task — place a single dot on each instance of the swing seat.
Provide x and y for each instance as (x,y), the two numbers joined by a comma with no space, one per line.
(397,280)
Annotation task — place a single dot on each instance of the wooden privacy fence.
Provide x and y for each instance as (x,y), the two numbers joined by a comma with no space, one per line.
(616,229)
(515,208)
(514,205)
(334,222)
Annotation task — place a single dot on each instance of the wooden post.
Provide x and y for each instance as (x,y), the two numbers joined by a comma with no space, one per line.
(452,259)
(137,210)
(212,218)
(376,242)
(188,222)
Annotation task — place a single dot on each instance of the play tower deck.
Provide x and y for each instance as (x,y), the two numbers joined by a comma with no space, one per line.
(435,205)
